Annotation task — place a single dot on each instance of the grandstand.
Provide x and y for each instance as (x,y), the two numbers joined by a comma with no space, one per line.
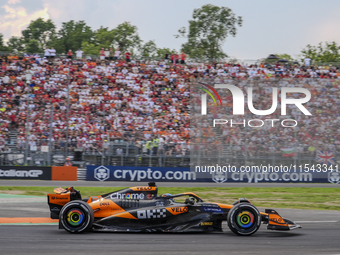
(138,113)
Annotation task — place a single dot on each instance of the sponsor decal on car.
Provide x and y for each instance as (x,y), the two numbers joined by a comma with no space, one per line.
(206,223)
(151,214)
(212,209)
(209,205)
(177,210)
(149,196)
(159,203)
(277,220)
(127,196)
(145,188)
(60,198)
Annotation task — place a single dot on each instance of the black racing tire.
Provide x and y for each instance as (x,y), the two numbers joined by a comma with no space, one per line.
(244,219)
(76,217)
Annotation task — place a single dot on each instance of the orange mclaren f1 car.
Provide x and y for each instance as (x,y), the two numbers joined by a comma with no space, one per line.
(140,209)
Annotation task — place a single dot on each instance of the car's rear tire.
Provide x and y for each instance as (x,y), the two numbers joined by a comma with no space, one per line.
(244,219)
(76,217)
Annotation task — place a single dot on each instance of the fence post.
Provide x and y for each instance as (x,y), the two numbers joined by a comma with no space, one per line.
(67,112)
(26,130)
(49,154)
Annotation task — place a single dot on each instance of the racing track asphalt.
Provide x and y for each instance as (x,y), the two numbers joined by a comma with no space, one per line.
(313,238)
(160,184)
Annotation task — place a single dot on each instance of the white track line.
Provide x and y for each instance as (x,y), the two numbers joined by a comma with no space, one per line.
(317,221)
(310,221)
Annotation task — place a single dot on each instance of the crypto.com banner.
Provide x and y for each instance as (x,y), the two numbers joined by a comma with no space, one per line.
(273,122)
(139,174)
(206,174)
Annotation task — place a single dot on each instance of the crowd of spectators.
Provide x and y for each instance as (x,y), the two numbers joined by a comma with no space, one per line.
(119,100)
(320,131)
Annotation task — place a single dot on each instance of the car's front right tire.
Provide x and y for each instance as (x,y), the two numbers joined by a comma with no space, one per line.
(244,219)
(76,217)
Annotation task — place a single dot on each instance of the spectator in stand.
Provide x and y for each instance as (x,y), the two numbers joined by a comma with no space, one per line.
(68,162)
(148,146)
(172,58)
(160,147)
(139,146)
(166,57)
(20,144)
(127,56)
(47,53)
(307,61)
(79,54)
(2,144)
(155,143)
(311,150)
(53,53)
(117,54)
(13,120)
(111,56)
(119,151)
(73,144)
(102,54)
(170,147)
(107,54)
(176,59)
(106,147)
(70,54)
(62,145)
(183,57)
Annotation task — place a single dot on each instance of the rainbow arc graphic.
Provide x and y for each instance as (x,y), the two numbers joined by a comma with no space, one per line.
(209,93)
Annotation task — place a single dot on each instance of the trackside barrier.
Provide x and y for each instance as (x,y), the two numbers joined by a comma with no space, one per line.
(81,174)
(278,177)
(174,174)
(128,173)
(25,172)
(64,173)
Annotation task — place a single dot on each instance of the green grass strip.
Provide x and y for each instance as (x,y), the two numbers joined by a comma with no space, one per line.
(296,197)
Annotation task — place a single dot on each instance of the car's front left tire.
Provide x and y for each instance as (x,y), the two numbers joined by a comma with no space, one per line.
(76,217)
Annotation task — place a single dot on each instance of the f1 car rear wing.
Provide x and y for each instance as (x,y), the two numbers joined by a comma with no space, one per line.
(61,197)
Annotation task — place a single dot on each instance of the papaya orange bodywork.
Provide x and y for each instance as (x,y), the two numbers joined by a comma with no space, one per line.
(275,219)
(225,206)
(59,199)
(104,207)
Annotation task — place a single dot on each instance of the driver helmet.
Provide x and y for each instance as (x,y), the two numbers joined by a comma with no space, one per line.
(168,194)
(190,201)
